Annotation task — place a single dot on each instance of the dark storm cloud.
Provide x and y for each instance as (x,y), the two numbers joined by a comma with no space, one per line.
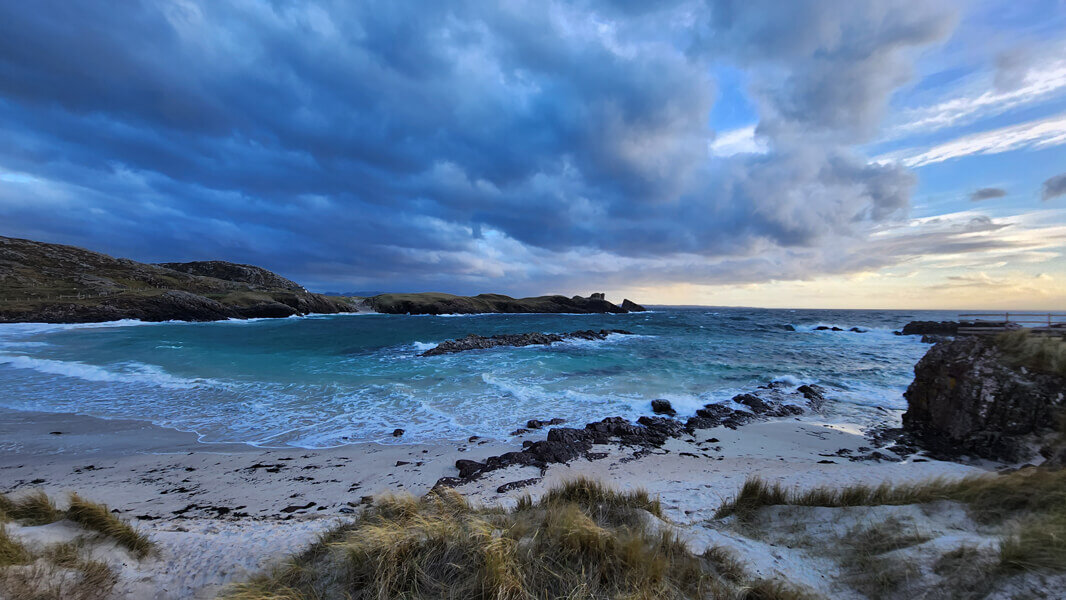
(987,194)
(332,138)
(1054,187)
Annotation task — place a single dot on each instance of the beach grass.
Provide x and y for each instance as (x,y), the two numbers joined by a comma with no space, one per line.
(35,508)
(97,517)
(580,540)
(1030,503)
(62,571)
(11,551)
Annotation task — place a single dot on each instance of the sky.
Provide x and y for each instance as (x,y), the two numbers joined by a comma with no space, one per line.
(810,153)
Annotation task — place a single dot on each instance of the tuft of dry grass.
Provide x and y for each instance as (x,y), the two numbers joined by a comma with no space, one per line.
(581,540)
(35,508)
(770,589)
(11,551)
(97,517)
(1035,497)
(870,565)
(1043,353)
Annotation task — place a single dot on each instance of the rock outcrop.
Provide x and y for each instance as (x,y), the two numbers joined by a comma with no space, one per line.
(564,444)
(931,327)
(433,303)
(630,306)
(54,283)
(478,342)
(969,398)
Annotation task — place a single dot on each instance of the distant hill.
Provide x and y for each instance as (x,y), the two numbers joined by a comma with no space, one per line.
(54,283)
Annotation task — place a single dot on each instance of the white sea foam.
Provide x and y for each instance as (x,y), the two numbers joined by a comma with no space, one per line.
(131,372)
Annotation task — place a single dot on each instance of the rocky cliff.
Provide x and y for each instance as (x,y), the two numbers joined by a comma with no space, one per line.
(433,303)
(53,283)
(985,396)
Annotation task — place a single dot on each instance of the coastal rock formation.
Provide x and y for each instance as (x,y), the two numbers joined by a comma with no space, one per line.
(931,327)
(564,444)
(432,303)
(662,407)
(54,283)
(970,397)
(630,306)
(478,342)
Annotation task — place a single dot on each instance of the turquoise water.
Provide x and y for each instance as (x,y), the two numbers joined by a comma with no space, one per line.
(329,380)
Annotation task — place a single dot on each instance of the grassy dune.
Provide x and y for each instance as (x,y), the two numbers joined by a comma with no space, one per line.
(1032,502)
(63,571)
(581,540)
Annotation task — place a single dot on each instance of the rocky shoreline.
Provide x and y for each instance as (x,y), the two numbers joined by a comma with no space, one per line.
(565,444)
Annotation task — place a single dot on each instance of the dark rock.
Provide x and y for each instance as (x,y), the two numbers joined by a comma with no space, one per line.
(815,394)
(662,407)
(788,327)
(595,456)
(520,431)
(440,304)
(467,468)
(757,404)
(514,485)
(478,342)
(933,327)
(858,330)
(630,306)
(397,432)
(537,424)
(967,398)
(293,508)
(935,339)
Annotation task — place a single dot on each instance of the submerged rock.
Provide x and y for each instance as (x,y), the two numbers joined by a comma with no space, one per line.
(478,342)
(968,398)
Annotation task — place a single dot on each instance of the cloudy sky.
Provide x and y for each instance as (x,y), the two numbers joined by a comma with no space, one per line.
(822,153)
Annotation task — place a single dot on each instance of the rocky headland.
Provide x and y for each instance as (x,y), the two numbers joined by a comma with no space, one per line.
(54,283)
(434,303)
(478,342)
(996,397)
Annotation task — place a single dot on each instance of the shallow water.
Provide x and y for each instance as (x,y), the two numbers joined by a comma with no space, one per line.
(328,380)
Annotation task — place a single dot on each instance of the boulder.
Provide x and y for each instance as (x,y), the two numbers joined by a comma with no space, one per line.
(478,342)
(968,397)
(662,407)
(630,306)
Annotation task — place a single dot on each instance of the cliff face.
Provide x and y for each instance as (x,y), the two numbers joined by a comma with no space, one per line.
(53,283)
(969,396)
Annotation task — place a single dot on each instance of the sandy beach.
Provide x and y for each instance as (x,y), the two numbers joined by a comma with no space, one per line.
(220,513)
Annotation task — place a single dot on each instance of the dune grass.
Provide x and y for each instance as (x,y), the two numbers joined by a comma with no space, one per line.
(1033,500)
(580,540)
(97,517)
(35,508)
(11,551)
(60,571)
(1044,353)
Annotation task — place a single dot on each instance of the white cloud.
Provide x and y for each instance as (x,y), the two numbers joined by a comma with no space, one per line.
(737,141)
(1044,133)
(1037,85)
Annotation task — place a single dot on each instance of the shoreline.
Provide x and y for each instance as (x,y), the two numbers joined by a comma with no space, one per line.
(221,513)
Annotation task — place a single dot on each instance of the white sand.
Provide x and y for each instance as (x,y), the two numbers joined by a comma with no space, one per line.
(219,513)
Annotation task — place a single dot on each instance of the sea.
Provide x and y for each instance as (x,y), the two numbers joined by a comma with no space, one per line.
(330,380)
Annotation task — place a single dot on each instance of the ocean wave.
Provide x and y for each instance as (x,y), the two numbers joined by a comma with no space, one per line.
(130,372)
